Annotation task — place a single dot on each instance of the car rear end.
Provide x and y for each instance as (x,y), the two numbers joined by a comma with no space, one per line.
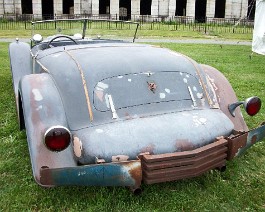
(152,115)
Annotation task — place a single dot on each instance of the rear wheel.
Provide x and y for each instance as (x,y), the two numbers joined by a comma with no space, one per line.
(20,113)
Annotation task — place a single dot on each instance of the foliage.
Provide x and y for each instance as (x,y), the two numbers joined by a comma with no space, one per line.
(241,187)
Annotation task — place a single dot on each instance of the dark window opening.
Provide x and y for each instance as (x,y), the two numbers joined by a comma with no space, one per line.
(125,9)
(26,7)
(104,6)
(47,9)
(68,7)
(251,9)
(220,9)
(181,7)
(200,11)
(145,7)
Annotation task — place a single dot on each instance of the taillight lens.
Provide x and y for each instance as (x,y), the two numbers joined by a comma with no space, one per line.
(57,138)
(252,105)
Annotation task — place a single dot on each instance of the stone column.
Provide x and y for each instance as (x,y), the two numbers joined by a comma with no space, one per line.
(172,8)
(210,8)
(86,7)
(18,7)
(155,8)
(135,10)
(77,7)
(163,7)
(190,9)
(244,11)
(9,6)
(2,10)
(95,7)
(58,7)
(114,8)
(228,8)
(236,8)
(37,8)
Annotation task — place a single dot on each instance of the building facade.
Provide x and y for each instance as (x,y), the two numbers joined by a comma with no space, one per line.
(133,9)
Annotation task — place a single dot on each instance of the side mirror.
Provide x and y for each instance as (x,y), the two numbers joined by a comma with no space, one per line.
(252,106)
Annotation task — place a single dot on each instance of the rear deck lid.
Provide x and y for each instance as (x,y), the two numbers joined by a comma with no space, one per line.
(166,133)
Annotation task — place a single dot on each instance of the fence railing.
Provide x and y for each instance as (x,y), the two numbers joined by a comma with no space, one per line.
(147,22)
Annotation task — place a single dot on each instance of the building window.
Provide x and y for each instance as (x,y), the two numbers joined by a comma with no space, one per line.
(220,9)
(251,9)
(125,9)
(104,6)
(145,7)
(68,6)
(200,11)
(47,9)
(181,7)
(26,7)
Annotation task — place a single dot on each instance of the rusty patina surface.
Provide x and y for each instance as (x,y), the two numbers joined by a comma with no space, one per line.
(109,174)
(241,141)
(225,95)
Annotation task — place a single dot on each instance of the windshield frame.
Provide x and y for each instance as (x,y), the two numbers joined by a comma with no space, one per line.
(85,21)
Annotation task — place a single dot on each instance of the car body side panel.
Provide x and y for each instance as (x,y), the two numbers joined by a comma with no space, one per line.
(225,96)
(42,108)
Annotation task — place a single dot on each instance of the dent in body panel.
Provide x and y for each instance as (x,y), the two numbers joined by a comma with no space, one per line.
(78,147)
(184,145)
(37,95)
(197,121)
(211,84)
(119,158)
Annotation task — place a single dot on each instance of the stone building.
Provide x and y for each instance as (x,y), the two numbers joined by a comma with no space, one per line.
(133,9)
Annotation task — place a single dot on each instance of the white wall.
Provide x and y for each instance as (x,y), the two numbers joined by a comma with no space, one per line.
(234,8)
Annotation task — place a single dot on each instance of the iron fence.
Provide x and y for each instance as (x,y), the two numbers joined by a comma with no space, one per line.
(147,22)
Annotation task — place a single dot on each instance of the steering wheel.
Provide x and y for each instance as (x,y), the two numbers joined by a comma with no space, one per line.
(60,36)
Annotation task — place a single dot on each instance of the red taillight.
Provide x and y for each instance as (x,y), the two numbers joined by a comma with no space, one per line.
(57,138)
(252,105)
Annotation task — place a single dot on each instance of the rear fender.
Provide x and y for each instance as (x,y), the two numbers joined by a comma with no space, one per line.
(20,65)
(225,96)
(43,108)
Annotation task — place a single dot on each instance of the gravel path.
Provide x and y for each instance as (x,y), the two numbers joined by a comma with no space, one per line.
(196,41)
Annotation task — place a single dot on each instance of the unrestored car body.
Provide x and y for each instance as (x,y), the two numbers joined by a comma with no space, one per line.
(114,113)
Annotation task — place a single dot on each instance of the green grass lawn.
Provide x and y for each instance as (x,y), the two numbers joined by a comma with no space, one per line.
(156,34)
(146,30)
(240,188)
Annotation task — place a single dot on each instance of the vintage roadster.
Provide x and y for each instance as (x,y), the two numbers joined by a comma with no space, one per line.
(113,113)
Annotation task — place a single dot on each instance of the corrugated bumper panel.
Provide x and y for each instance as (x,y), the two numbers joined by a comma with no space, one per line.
(180,165)
(110,174)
